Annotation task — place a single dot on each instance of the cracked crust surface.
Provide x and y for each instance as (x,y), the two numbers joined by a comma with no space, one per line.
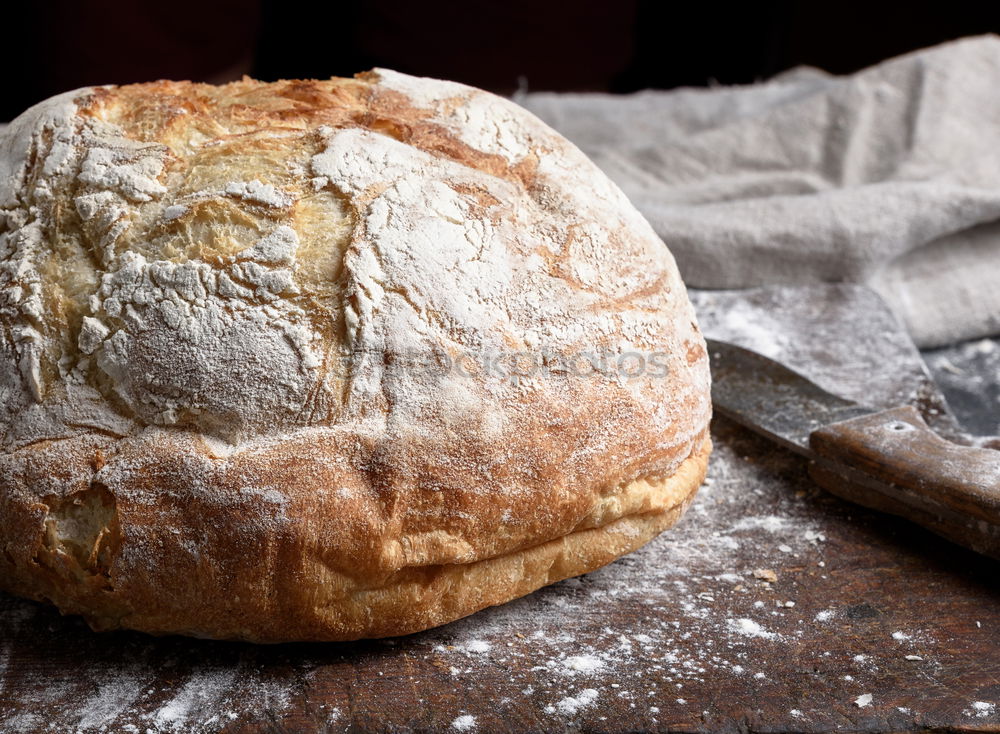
(326,359)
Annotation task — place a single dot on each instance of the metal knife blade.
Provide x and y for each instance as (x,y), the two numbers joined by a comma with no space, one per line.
(769,398)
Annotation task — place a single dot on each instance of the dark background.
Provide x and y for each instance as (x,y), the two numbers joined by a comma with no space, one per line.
(616,45)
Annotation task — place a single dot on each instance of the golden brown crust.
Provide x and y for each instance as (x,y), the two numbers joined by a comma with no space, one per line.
(225,595)
(355,257)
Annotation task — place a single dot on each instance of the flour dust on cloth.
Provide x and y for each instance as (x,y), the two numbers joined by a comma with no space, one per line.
(889,177)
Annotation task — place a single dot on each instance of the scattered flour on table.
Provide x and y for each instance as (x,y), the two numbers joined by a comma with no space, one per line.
(122,700)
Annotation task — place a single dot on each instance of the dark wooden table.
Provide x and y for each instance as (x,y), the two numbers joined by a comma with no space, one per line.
(867,624)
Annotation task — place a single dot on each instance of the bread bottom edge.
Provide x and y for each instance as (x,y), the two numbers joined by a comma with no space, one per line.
(421,598)
(437,595)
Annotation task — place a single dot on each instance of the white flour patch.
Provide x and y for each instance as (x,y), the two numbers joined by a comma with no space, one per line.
(259,193)
(114,696)
(585,663)
(196,701)
(980,709)
(574,704)
(27,723)
(749,628)
(753,330)
(465,722)
(175,211)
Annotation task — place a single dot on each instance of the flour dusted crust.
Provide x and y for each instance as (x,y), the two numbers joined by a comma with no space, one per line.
(326,359)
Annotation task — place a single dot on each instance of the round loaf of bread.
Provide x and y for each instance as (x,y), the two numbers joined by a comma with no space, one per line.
(323,360)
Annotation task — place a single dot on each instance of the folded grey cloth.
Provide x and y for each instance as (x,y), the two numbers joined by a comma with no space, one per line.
(889,177)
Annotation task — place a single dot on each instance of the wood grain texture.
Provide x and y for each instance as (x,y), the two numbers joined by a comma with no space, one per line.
(680,636)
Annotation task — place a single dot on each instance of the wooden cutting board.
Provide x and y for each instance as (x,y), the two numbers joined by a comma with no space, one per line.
(771,607)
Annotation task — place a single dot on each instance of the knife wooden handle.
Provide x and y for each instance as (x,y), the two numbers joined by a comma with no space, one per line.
(891,461)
